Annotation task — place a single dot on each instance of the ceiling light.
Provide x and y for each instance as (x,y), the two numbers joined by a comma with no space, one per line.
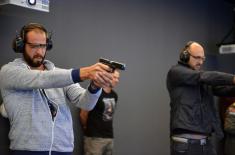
(32,2)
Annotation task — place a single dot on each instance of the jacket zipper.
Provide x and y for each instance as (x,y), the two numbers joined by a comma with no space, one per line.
(52,131)
(53,122)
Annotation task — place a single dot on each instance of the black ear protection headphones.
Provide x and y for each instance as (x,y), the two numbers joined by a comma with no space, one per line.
(19,41)
(184,54)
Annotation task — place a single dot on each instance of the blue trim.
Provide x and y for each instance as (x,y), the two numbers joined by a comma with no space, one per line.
(92,90)
(76,75)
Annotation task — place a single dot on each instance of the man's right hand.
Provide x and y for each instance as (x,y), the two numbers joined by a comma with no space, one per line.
(99,73)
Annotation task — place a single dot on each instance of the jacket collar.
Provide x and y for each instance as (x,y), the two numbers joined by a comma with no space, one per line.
(48,64)
(183,64)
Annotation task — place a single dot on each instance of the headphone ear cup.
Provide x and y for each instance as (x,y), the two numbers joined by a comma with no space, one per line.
(184,56)
(18,45)
(49,44)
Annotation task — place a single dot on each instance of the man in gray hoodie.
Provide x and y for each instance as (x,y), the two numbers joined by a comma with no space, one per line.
(36,94)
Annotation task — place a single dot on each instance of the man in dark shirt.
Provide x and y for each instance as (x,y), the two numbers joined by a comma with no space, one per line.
(193,114)
(98,123)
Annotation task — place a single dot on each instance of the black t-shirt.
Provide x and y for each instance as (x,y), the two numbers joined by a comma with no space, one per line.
(100,119)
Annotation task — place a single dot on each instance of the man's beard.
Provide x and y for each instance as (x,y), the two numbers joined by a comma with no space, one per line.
(32,63)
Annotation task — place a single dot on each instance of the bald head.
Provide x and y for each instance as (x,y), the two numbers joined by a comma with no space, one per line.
(195,48)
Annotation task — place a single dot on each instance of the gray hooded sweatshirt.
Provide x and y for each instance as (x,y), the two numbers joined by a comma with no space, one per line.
(26,104)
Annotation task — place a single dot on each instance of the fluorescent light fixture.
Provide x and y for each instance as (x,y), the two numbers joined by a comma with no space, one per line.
(227,49)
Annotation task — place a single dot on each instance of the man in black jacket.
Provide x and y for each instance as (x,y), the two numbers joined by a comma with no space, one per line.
(193,114)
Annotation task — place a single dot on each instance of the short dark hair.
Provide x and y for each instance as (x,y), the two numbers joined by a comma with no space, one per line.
(30,27)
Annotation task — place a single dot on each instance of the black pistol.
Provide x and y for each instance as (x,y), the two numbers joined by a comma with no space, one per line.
(113,64)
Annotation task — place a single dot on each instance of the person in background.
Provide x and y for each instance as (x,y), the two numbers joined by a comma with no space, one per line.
(229,128)
(193,115)
(98,123)
(35,95)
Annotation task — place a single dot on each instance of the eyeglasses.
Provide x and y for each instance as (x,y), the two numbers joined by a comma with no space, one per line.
(198,57)
(37,46)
